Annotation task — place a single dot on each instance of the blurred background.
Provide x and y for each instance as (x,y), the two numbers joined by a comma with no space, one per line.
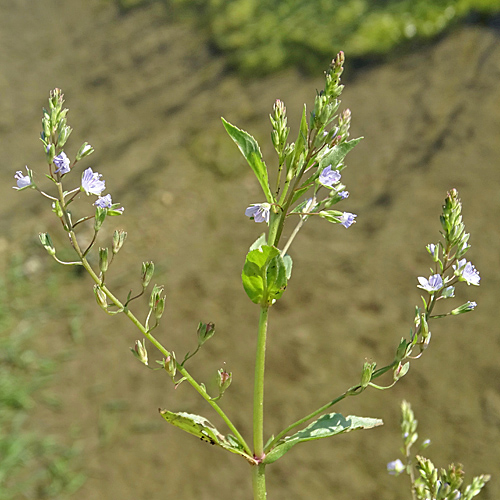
(146,83)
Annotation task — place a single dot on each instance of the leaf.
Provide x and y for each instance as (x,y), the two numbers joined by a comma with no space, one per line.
(251,151)
(200,427)
(264,275)
(326,426)
(337,154)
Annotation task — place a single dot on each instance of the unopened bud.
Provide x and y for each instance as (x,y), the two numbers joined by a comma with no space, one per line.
(84,151)
(103,260)
(424,327)
(224,380)
(155,296)
(366,376)
(140,352)
(160,307)
(148,268)
(100,215)
(467,307)
(170,365)
(119,237)
(401,371)
(64,135)
(46,241)
(56,208)
(100,297)
(205,332)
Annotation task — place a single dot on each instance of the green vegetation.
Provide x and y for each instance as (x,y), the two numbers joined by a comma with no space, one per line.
(31,465)
(261,37)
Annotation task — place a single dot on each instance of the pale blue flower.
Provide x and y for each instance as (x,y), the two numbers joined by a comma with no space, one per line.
(107,202)
(329,177)
(104,201)
(467,272)
(434,283)
(61,161)
(347,219)
(259,212)
(22,180)
(433,250)
(395,467)
(344,194)
(91,183)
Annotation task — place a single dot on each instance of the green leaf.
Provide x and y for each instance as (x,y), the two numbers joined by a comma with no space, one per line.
(326,426)
(264,275)
(251,151)
(202,428)
(337,154)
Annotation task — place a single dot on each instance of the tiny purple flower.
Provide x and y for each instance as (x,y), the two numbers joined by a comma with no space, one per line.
(91,183)
(107,202)
(22,180)
(395,467)
(329,177)
(467,272)
(433,250)
(259,212)
(344,194)
(104,201)
(434,283)
(347,219)
(61,161)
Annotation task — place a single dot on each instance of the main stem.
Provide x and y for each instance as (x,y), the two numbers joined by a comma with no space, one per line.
(258,471)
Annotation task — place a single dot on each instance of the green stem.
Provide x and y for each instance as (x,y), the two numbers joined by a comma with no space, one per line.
(353,391)
(164,351)
(258,394)
(259,482)
(142,328)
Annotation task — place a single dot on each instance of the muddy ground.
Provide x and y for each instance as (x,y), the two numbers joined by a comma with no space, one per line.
(148,95)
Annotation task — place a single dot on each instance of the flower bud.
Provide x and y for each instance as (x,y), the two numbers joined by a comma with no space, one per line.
(100,215)
(100,297)
(46,241)
(148,268)
(155,296)
(103,260)
(224,380)
(140,352)
(467,307)
(367,373)
(84,151)
(63,135)
(119,237)
(56,208)
(401,370)
(170,365)
(205,332)
(160,307)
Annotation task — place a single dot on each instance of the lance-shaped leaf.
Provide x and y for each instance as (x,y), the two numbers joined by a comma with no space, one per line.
(251,151)
(326,426)
(337,154)
(264,275)
(202,428)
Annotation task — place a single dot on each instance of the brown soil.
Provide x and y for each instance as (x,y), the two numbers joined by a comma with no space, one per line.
(148,95)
